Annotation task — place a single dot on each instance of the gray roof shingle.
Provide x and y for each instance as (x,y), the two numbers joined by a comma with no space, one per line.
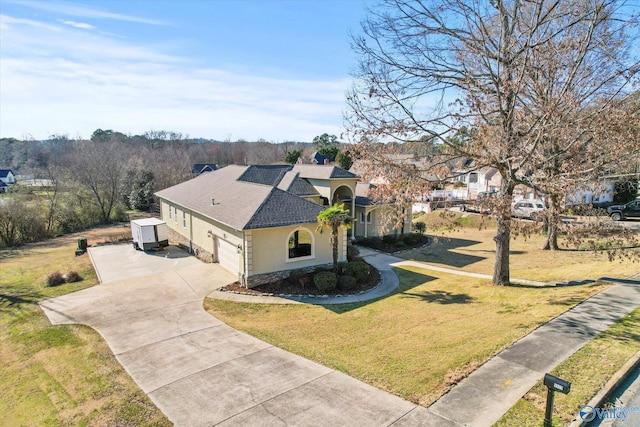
(323,172)
(243,205)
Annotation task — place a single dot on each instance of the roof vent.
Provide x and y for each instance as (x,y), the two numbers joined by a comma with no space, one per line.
(213,201)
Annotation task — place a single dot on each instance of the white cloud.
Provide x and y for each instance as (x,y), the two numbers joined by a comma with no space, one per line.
(71,9)
(80,25)
(63,81)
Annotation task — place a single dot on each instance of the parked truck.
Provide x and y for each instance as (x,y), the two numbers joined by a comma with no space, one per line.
(149,234)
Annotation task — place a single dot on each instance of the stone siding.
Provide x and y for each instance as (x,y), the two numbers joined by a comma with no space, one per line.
(195,250)
(261,279)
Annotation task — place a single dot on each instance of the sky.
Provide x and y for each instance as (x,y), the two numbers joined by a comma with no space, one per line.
(215,69)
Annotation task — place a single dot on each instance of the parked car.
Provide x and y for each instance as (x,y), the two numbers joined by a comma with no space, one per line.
(529,209)
(482,204)
(621,212)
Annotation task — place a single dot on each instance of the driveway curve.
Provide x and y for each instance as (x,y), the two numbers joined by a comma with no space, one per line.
(201,372)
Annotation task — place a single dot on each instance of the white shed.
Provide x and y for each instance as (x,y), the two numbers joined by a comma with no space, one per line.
(149,233)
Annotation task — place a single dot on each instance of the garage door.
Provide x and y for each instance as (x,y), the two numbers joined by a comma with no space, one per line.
(228,256)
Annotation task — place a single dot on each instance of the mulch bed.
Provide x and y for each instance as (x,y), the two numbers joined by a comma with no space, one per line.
(294,287)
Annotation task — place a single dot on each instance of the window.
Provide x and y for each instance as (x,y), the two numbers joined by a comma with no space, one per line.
(368,217)
(169,212)
(473,177)
(300,244)
(184,219)
(175,214)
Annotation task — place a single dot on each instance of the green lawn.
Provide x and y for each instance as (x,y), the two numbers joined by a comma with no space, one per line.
(58,375)
(415,343)
(470,247)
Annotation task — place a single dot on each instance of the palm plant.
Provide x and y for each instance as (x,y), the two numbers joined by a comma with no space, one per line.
(334,217)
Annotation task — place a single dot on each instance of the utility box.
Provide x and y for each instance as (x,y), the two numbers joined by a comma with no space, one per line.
(149,233)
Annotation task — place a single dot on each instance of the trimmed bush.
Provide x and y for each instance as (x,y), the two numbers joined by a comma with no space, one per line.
(54,279)
(325,280)
(347,282)
(420,227)
(359,270)
(352,252)
(72,277)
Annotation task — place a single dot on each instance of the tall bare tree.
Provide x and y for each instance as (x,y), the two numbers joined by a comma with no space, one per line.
(100,168)
(504,68)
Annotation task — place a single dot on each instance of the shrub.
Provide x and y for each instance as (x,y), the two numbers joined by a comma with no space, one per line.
(325,280)
(389,238)
(352,252)
(347,282)
(359,270)
(72,277)
(420,227)
(54,279)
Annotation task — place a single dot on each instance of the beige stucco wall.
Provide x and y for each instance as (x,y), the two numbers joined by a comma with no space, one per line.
(374,228)
(197,227)
(269,249)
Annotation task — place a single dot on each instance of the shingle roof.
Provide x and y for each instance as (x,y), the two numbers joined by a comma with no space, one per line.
(241,204)
(199,168)
(4,173)
(323,172)
(297,186)
(265,174)
(281,208)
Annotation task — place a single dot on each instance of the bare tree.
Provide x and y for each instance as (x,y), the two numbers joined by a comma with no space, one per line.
(428,68)
(99,167)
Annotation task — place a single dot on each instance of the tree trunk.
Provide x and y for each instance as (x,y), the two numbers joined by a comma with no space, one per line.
(503,241)
(334,248)
(503,233)
(552,219)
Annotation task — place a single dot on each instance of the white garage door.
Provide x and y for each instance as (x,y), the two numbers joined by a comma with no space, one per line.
(228,256)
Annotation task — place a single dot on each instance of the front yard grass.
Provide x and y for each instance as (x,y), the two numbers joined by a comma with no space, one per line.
(58,375)
(588,370)
(416,343)
(471,248)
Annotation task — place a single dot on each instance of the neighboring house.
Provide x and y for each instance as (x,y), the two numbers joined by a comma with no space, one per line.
(258,222)
(319,159)
(200,168)
(7,178)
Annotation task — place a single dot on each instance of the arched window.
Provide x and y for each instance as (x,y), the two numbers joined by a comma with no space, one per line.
(300,244)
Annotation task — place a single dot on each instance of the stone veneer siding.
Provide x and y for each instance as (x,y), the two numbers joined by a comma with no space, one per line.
(261,279)
(183,242)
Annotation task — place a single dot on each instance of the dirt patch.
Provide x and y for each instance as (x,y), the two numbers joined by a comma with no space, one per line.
(302,285)
(110,233)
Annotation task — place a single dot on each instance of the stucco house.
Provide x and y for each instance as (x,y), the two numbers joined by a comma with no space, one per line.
(260,221)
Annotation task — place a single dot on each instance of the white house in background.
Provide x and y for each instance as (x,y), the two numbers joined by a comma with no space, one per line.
(7,178)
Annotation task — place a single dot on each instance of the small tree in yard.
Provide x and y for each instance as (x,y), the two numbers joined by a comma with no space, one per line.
(334,217)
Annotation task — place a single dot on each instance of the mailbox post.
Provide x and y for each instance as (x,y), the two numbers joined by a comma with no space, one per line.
(553,384)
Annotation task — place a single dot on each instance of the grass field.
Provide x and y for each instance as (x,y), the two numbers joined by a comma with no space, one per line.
(436,328)
(470,247)
(58,375)
(415,343)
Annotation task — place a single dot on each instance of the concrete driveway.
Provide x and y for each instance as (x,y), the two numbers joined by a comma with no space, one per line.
(199,371)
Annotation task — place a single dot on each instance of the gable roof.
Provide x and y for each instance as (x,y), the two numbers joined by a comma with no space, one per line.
(199,168)
(5,173)
(294,184)
(229,195)
(323,172)
(265,174)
